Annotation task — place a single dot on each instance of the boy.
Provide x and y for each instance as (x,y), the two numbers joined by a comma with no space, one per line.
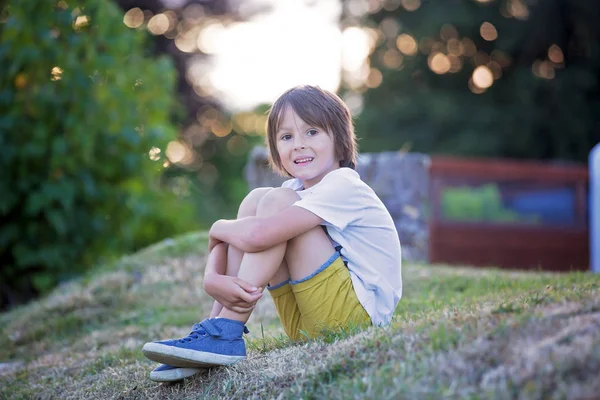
(323,243)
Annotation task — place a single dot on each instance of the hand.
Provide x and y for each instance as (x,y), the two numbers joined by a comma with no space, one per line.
(233,293)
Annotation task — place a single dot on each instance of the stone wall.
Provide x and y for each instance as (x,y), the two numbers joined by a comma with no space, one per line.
(400,179)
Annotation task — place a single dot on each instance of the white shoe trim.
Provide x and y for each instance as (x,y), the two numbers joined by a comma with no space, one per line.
(179,357)
(173,375)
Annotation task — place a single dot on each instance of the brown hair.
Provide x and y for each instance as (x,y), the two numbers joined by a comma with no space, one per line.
(319,108)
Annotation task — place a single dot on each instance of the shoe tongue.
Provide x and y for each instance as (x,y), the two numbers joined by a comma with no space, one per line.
(206,326)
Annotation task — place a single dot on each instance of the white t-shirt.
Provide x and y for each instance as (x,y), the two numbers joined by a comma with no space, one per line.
(357,220)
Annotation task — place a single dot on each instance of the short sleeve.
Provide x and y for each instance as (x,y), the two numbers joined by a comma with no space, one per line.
(336,199)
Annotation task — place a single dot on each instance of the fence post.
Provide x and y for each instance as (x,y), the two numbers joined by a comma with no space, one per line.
(594,163)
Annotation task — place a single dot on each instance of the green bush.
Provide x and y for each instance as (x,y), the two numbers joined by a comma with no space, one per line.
(81,105)
(480,204)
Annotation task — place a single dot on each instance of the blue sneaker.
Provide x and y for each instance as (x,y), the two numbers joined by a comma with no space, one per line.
(167,373)
(212,342)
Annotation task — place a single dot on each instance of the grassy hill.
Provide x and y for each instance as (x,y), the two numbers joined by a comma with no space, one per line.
(457,333)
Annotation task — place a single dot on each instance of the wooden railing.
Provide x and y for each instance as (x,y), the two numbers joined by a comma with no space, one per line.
(509,214)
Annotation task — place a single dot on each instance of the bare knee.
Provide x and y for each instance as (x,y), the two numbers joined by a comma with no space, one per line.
(250,203)
(276,200)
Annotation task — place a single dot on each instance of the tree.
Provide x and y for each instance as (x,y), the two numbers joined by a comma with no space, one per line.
(82,111)
(206,131)
(491,78)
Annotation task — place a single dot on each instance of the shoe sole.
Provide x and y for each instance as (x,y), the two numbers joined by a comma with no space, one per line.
(173,375)
(186,358)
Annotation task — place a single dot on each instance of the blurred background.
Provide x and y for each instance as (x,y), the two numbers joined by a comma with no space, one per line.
(125,122)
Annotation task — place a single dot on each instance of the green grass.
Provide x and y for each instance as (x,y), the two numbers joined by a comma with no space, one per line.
(457,333)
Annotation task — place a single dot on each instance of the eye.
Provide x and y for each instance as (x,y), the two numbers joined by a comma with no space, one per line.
(287,136)
(312,132)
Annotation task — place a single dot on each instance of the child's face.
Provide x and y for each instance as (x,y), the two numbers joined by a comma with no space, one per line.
(306,152)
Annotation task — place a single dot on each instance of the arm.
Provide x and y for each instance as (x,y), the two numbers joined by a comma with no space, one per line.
(253,234)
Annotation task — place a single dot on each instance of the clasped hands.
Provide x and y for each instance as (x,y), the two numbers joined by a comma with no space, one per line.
(232,292)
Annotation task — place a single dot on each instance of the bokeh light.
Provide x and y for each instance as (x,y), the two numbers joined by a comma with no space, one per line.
(448,32)
(81,21)
(187,40)
(209,37)
(208,174)
(133,18)
(390,5)
(468,48)
(392,59)
(474,88)
(515,8)
(354,101)
(374,79)
(482,77)
(390,27)
(237,145)
(221,127)
(455,64)
(56,73)
(407,44)
(555,54)
(154,154)
(195,134)
(194,12)
(357,8)
(158,24)
(496,69)
(411,5)
(177,152)
(543,69)
(439,63)
(488,32)
(453,47)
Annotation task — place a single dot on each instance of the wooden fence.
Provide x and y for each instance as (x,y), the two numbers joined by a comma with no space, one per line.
(509,214)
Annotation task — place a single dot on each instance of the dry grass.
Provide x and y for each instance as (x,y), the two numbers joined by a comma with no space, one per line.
(458,333)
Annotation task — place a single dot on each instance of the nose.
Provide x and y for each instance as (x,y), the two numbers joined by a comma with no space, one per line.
(299,142)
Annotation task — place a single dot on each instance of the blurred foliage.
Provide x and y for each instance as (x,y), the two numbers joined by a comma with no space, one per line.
(542,59)
(209,154)
(81,106)
(215,180)
(480,204)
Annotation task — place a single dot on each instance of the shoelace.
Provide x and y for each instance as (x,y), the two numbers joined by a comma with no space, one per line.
(201,329)
(195,334)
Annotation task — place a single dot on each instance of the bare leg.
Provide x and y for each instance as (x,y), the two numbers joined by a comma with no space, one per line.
(297,258)
(247,208)
(231,260)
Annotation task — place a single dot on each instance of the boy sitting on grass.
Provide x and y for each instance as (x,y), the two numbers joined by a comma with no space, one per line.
(323,243)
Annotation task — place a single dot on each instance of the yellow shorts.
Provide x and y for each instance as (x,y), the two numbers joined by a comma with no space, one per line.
(323,301)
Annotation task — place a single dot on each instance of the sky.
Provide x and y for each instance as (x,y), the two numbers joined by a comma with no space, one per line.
(255,61)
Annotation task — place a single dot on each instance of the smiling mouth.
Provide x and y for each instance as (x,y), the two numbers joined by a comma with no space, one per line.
(303,160)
